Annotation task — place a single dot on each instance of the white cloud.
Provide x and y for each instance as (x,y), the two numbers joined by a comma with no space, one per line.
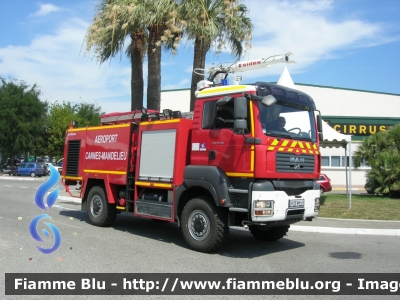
(46,9)
(57,65)
(309,29)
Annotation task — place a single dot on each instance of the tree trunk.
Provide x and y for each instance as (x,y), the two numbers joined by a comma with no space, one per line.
(136,71)
(199,61)
(154,68)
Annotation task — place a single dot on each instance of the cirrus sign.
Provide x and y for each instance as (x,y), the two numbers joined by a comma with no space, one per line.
(39,201)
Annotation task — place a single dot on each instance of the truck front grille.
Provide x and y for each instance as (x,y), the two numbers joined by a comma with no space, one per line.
(291,163)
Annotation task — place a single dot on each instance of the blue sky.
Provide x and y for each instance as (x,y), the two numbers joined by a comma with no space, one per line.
(341,43)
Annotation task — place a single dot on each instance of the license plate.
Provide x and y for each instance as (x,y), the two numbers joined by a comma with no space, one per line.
(296,203)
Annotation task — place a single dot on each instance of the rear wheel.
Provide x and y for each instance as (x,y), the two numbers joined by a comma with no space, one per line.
(100,212)
(268,234)
(33,174)
(321,189)
(204,226)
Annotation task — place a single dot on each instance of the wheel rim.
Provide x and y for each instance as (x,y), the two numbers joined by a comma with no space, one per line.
(96,206)
(199,225)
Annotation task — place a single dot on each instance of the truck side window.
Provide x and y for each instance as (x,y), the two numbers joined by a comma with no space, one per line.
(208,115)
(217,117)
(224,117)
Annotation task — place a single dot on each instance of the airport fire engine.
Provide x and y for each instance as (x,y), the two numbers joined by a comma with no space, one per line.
(247,156)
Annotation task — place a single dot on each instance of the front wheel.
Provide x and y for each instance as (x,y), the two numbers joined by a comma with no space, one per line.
(100,212)
(204,226)
(268,234)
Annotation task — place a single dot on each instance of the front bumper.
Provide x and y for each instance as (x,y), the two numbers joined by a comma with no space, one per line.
(281,209)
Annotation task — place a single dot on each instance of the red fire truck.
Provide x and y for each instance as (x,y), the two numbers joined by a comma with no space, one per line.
(227,164)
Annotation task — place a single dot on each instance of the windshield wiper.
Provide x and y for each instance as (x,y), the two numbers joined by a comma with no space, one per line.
(278,133)
(301,138)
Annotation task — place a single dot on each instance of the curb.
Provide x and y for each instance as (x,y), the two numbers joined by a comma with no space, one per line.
(344,189)
(19,178)
(358,220)
(337,230)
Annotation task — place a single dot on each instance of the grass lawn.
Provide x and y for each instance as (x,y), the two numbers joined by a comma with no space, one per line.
(365,207)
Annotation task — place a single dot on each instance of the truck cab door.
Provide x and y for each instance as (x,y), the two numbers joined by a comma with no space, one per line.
(219,144)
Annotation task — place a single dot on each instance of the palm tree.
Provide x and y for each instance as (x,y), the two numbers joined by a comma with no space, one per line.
(382,152)
(113,22)
(214,21)
(143,21)
(155,14)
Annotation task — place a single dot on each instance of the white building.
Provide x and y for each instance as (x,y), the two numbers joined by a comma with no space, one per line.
(351,112)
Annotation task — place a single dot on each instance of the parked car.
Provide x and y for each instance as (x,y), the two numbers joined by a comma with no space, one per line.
(48,167)
(32,169)
(12,171)
(60,162)
(324,183)
(60,165)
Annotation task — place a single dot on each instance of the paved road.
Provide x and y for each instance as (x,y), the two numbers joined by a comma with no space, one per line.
(342,226)
(137,245)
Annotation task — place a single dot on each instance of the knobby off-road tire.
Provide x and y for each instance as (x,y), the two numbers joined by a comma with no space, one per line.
(100,212)
(204,226)
(269,234)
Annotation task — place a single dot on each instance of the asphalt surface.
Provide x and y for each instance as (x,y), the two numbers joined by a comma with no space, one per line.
(139,245)
(320,225)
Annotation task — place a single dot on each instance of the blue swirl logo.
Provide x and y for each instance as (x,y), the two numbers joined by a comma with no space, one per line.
(39,201)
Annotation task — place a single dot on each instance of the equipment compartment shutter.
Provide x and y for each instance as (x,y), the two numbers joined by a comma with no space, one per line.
(72,165)
(157,155)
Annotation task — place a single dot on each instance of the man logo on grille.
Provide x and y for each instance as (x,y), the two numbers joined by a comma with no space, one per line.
(294,159)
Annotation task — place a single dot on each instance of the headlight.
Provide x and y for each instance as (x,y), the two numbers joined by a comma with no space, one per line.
(263,204)
(263,207)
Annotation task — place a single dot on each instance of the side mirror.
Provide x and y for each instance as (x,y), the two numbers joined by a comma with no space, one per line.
(268,100)
(319,123)
(240,111)
(240,126)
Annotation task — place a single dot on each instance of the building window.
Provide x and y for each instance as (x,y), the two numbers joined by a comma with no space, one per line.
(335,161)
(325,161)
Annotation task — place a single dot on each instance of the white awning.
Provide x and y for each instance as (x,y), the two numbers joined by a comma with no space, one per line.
(332,138)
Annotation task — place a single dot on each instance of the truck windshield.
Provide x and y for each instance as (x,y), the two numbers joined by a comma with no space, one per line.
(288,120)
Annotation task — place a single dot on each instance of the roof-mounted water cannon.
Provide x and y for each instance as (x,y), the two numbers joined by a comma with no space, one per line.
(217,74)
(260,63)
